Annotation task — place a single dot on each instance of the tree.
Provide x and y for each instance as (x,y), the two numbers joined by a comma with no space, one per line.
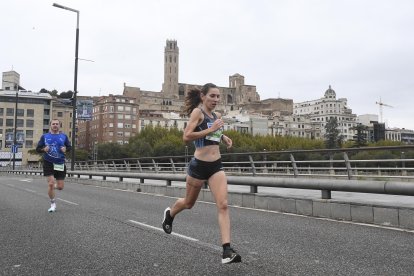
(360,138)
(111,151)
(333,138)
(43,90)
(66,95)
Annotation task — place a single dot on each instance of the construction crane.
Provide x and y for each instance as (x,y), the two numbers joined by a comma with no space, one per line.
(381,104)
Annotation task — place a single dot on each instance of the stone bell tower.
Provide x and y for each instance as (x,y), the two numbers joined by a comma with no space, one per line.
(170,85)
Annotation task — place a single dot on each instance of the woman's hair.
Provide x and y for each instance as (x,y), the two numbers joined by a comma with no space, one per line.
(193,97)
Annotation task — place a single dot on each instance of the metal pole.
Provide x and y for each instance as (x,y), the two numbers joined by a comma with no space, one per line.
(75,85)
(75,88)
(15,128)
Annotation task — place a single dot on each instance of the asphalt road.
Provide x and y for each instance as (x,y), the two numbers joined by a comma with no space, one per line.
(100,231)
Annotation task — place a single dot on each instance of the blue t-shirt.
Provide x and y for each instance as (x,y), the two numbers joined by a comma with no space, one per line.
(54,142)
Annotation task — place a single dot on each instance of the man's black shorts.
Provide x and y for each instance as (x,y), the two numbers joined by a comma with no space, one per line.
(48,171)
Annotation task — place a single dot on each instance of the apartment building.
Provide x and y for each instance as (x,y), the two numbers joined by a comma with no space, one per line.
(33,116)
(114,120)
(320,111)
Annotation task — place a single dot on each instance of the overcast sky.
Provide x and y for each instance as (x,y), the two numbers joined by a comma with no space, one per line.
(288,49)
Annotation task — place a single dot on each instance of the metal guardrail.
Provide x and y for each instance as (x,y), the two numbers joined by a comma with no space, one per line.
(325,185)
(322,163)
(335,170)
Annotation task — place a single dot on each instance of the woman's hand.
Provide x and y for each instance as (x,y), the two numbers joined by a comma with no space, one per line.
(217,125)
(227,141)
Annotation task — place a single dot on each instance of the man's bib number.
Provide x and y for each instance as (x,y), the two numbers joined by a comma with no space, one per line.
(59,167)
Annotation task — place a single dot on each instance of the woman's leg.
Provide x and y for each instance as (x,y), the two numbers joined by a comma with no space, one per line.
(193,187)
(218,187)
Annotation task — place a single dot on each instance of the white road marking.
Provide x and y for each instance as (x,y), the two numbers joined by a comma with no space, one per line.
(67,201)
(329,219)
(30,191)
(159,229)
(26,180)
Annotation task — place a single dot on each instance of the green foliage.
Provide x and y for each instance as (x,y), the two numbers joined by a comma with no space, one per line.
(80,155)
(111,151)
(169,145)
(138,147)
(159,141)
(66,95)
(333,138)
(360,138)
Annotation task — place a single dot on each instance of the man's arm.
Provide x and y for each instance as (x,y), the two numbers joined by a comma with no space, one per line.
(40,145)
(67,144)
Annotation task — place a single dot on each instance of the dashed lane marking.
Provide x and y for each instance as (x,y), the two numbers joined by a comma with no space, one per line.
(159,229)
(67,201)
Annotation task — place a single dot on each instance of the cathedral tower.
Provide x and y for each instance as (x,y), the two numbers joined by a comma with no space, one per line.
(170,85)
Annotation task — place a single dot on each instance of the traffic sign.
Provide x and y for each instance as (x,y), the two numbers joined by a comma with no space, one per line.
(14,148)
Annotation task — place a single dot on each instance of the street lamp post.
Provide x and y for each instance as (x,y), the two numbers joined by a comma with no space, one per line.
(14,147)
(75,85)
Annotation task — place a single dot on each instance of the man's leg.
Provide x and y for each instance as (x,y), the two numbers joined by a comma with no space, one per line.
(60,184)
(51,183)
(51,192)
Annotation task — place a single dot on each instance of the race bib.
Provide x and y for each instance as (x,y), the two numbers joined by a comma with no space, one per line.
(214,136)
(59,167)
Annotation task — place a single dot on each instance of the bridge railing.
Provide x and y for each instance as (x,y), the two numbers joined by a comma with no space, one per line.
(350,163)
(337,163)
(334,170)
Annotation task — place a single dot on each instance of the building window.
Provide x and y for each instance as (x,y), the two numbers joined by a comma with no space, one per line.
(1,111)
(120,125)
(60,114)
(20,122)
(29,133)
(29,144)
(120,116)
(29,123)
(9,122)
(30,112)
(120,108)
(10,112)
(20,112)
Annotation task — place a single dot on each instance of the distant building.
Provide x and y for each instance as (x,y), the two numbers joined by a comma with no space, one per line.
(33,117)
(320,111)
(114,120)
(171,98)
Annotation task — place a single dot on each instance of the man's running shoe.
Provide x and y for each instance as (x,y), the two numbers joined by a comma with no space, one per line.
(167,221)
(230,256)
(52,208)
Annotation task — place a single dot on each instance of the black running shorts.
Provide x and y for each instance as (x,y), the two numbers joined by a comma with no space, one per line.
(48,171)
(203,170)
